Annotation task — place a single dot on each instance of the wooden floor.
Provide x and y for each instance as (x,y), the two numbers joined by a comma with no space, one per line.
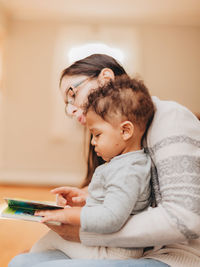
(18,236)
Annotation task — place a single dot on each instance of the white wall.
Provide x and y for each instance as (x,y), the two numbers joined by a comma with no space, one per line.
(172,63)
(30,153)
(40,145)
(3,29)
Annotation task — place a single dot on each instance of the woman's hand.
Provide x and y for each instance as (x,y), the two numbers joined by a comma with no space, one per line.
(71,196)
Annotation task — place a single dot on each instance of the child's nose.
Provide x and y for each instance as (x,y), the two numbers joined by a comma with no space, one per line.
(93,142)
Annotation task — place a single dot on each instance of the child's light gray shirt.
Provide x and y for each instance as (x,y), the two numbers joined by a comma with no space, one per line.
(118,189)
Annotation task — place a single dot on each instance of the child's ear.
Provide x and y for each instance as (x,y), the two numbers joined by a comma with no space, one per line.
(127,130)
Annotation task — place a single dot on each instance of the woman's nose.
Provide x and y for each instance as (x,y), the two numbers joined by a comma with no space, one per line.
(71,110)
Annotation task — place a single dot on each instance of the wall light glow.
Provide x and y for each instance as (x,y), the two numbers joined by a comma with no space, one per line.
(79,52)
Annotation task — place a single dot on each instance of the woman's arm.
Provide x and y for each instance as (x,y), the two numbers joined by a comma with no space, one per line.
(66,231)
(149,228)
(132,234)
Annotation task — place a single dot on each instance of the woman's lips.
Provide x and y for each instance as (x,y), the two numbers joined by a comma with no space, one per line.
(82,119)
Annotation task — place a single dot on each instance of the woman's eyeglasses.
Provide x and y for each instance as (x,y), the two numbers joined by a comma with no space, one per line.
(71,94)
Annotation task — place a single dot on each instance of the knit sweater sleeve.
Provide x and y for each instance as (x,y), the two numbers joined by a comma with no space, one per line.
(174,141)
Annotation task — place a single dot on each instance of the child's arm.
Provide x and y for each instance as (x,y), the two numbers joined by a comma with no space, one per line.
(67,215)
(67,195)
(124,187)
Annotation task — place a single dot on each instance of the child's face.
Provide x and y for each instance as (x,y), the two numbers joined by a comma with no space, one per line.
(106,137)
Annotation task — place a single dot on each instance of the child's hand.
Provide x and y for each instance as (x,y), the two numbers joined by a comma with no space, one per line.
(67,215)
(71,196)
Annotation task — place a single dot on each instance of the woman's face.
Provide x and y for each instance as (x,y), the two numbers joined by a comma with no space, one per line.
(75,90)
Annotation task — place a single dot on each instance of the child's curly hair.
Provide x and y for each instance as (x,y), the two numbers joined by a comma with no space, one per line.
(127,98)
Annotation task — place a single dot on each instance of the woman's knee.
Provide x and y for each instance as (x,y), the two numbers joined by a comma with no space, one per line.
(31,259)
(20,260)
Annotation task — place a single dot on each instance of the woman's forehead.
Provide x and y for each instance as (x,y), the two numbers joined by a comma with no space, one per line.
(68,81)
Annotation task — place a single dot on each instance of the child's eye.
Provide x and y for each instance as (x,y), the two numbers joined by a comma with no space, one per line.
(97,135)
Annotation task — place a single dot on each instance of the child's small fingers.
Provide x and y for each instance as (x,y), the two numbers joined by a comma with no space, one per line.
(37,213)
(51,216)
(47,218)
(62,190)
(76,199)
(41,213)
(60,200)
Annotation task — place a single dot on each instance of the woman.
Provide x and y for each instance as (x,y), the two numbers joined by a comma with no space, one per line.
(170,231)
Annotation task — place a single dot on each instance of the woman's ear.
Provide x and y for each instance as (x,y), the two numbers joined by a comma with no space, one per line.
(127,130)
(105,76)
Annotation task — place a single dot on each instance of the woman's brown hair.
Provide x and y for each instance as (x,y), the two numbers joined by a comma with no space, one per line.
(91,66)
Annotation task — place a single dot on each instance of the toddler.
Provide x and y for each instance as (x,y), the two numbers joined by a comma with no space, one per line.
(117,115)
